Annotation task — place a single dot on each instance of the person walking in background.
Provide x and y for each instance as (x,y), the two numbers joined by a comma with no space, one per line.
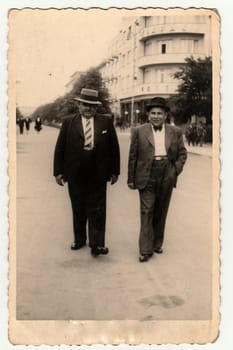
(201,134)
(156,157)
(21,122)
(87,156)
(38,124)
(27,123)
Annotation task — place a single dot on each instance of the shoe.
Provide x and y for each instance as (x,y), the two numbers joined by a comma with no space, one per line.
(158,250)
(95,251)
(76,246)
(144,257)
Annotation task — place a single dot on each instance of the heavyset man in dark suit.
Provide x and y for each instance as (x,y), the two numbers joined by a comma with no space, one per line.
(87,157)
(156,157)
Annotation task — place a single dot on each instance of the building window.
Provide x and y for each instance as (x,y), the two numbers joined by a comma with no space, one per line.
(196,46)
(162,75)
(148,76)
(148,48)
(161,19)
(148,21)
(163,48)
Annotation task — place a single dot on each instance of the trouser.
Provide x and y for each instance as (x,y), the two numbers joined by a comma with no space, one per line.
(154,203)
(88,200)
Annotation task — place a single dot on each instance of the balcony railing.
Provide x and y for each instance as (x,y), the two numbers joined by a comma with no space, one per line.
(161,29)
(151,89)
(166,58)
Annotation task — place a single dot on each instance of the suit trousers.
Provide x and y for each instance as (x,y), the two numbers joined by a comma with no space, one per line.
(88,200)
(154,203)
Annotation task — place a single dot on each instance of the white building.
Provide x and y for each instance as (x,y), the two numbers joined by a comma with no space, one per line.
(146,53)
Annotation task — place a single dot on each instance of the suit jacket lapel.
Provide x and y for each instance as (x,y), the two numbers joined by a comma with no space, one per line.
(168,137)
(78,126)
(149,135)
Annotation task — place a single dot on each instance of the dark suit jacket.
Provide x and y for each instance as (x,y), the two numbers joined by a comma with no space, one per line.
(142,152)
(69,148)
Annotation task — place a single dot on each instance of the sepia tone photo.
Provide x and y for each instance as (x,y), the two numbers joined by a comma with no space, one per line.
(114,176)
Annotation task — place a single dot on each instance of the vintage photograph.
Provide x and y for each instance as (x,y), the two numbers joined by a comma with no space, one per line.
(114,175)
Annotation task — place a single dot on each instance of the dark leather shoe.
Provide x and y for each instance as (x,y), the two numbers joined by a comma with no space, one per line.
(158,250)
(103,250)
(95,251)
(145,257)
(76,246)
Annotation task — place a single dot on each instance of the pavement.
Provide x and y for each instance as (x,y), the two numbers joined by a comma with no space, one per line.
(55,283)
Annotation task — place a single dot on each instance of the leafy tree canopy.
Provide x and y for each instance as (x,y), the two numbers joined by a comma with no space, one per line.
(66,105)
(195,90)
(18,114)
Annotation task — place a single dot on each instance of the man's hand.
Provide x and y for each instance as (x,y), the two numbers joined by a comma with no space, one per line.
(131,186)
(60,180)
(114,179)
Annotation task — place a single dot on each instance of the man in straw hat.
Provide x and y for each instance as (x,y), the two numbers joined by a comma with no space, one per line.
(156,157)
(87,157)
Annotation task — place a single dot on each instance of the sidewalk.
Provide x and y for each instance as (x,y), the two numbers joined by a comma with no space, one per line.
(205,150)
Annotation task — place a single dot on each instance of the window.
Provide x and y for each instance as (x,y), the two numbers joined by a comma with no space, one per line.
(149,21)
(196,46)
(186,46)
(161,19)
(148,76)
(162,75)
(148,48)
(163,48)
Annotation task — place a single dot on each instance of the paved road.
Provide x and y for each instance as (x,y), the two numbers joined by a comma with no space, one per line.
(54,282)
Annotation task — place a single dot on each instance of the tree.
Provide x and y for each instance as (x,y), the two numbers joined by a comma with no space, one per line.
(195,91)
(65,105)
(18,114)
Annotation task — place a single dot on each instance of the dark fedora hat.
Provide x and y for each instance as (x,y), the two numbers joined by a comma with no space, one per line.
(89,96)
(158,102)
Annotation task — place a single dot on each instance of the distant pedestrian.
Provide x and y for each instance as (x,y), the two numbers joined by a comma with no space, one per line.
(21,122)
(156,157)
(38,124)
(27,123)
(201,134)
(87,156)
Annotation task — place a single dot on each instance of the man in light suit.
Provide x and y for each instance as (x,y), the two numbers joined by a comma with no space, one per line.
(87,157)
(156,157)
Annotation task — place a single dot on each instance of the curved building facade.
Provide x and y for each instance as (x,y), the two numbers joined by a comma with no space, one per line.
(146,53)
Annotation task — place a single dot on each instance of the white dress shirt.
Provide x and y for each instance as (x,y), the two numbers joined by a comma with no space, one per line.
(159,142)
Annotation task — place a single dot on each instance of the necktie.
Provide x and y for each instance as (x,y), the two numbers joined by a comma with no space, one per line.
(88,135)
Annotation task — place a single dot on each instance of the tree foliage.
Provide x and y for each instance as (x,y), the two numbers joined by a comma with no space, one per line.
(66,105)
(195,90)
(18,114)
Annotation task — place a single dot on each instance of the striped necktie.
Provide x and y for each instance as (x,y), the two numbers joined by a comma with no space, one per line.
(88,135)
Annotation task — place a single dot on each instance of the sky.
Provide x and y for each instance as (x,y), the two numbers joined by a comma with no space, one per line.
(47,47)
